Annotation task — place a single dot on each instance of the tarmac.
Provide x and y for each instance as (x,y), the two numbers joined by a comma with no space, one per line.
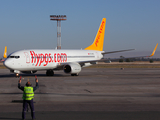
(96,94)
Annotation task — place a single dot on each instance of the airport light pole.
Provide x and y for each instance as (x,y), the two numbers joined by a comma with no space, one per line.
(58,18)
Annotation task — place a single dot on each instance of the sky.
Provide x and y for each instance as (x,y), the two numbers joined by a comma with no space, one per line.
(131,24)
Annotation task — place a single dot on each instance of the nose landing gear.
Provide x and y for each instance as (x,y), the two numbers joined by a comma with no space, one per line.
(49,73)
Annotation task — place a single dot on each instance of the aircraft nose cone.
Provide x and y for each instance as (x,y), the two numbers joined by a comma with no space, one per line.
(7,63)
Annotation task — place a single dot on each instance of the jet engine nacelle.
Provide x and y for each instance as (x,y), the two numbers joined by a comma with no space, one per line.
(72,68)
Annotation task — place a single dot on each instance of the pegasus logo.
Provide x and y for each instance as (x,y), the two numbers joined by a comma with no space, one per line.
(99,33)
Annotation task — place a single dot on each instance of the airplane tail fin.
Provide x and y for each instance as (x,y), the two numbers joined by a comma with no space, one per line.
(154,50)
(99,39)
(5,52)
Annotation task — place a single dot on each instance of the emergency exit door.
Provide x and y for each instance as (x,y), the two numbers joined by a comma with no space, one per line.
(27,57)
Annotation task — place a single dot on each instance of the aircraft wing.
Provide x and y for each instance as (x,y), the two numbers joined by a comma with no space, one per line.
(106,60)
(117,51)
(133,57)
(82,63)
(130,50)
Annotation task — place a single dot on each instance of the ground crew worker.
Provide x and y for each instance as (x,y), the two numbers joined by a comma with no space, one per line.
(28,95)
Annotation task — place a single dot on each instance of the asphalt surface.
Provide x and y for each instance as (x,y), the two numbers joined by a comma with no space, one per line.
(96,94)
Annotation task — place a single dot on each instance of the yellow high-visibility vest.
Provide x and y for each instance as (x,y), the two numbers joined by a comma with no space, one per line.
(28,93)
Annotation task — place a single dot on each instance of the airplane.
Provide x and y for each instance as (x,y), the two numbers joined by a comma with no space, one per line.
(70,61)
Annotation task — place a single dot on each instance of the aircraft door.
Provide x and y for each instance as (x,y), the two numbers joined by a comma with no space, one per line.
(97,55)
(27,57)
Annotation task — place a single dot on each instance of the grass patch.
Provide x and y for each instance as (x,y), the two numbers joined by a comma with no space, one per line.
(2,67)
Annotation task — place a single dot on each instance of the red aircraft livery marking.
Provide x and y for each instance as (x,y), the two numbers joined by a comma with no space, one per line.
(99,33)
(46,58)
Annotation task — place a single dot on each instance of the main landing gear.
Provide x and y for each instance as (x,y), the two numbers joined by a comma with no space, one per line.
(49,73)
(76,74)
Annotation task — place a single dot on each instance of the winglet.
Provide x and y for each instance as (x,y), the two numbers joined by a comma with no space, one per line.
(5,52)
(154,50)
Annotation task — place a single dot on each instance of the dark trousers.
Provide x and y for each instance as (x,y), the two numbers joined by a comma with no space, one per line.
(25,105)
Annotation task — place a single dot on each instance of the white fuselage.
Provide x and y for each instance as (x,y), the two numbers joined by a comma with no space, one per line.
(45,59)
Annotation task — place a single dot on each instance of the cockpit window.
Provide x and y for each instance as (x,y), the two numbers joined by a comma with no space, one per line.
(14,57)
(10,56)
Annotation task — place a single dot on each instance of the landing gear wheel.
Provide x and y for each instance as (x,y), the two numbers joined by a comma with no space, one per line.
(49,73)
(76,74)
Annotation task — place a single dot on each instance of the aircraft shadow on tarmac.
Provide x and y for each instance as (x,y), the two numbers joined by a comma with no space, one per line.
(4,118)
(44,75)
(32,75)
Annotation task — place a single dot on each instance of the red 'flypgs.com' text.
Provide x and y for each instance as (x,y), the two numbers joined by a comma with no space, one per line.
(46,58)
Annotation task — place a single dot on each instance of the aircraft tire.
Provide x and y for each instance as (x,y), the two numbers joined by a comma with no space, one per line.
(75,74)
(49,73)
